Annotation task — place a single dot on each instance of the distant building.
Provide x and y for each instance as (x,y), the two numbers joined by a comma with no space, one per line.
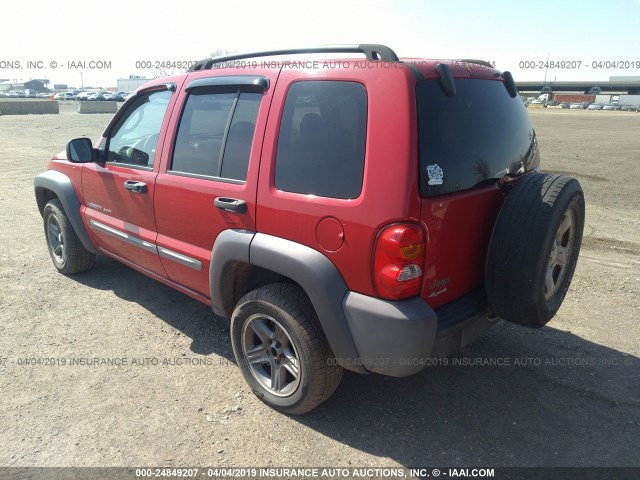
(131,83)
(625,78)
(36,85)
(60,86)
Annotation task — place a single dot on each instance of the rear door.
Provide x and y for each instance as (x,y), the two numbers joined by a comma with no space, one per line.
(209,173)
(119,191)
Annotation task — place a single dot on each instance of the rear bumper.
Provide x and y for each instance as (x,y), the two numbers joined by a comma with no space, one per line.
(399,338)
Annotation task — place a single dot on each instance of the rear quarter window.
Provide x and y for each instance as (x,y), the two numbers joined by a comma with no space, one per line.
(321,145)
(476,136)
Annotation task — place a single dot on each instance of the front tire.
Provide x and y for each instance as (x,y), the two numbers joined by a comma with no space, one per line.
(65,248)
(281,349)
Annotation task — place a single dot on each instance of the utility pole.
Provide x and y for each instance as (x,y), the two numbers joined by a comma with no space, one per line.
(545,70)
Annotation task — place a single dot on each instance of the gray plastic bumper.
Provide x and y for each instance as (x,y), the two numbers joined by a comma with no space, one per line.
(392,338)
(399,338)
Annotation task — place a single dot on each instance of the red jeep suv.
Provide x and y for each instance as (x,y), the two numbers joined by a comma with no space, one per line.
(368,214)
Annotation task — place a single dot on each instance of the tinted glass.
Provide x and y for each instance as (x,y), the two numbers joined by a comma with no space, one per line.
(215,122)
(322,139)
(201,132)
(477,136)
(238,146)
(134,138)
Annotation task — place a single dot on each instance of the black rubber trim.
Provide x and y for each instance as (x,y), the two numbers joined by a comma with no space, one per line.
(474,61)
(461,309)
(445,79)
(61,185)
(414,69)
(510,84)
(230,247)
(258,81)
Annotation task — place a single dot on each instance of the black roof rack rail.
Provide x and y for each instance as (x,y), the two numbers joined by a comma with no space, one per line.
(484,63)
(371,51)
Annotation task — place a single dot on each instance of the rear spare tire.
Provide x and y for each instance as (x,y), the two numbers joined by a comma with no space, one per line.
(534,248)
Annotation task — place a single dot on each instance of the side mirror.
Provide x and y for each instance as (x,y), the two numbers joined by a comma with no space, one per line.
(80,150)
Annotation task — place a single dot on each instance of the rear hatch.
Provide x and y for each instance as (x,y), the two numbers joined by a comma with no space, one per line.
(467,142)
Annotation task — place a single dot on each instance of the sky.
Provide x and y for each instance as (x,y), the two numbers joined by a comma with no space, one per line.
(93,45)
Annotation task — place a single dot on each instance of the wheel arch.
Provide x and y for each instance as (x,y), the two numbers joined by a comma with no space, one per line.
(242,261)
(53,184)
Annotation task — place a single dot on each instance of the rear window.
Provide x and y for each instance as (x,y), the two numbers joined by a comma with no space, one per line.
(477,136)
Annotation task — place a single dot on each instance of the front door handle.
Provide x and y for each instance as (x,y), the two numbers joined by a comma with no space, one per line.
(134,186)
(231,204)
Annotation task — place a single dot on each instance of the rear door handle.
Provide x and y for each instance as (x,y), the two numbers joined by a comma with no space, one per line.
(231,204)
(134,186)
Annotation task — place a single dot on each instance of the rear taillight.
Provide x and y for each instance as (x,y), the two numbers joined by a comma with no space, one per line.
(398,261)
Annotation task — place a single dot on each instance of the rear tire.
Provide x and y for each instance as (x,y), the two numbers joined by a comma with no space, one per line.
(65,248)
(281,349)
(534,248)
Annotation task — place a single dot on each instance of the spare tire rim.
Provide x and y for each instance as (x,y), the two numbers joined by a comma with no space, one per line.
(271,355)
(560,255)
(56,239)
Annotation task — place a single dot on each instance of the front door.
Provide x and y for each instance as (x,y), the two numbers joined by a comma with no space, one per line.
(119,191)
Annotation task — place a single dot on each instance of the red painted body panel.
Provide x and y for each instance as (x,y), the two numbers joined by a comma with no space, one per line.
(459,228)
(389,192)
(109,203)
(60,163)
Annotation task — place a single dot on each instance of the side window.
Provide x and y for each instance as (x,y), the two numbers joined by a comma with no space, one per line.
(215,133)
(322,139)
(134,138)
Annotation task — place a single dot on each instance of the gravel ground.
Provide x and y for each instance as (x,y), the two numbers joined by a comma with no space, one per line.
(566,395)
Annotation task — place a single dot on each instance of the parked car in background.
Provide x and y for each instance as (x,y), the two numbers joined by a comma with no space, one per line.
(69,96)
(576,106)
(96,97)
(609,107)
(115,97)
(595,106)
(565,105)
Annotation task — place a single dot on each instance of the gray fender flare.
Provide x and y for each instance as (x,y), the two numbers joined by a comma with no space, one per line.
(310,269)
(61,185)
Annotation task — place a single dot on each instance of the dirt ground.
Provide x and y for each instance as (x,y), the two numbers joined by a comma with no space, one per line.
(565,395)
